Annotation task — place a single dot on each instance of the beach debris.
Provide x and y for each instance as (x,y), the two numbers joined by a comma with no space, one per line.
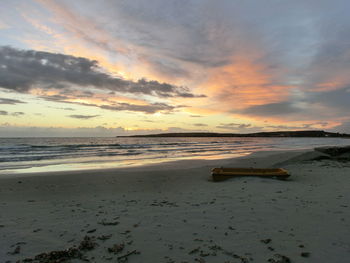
(56,256)
(266,241)
(64,255)
(215,248)
(243,259)
(126,232)
(116,248)
(124,258)
(204,254)
(164,203)
(336,153)
(105,223)
(104,237)
(280,259)
(87,243)
(221,174)
(19,243)
(305,254)
(333,151)
(91,231)
(193,251)
(17,250)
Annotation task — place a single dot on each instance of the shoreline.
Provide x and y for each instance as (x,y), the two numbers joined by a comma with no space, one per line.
(171,164)
(173,213)
(58,155)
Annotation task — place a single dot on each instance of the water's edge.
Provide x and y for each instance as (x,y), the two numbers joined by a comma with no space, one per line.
(26,155)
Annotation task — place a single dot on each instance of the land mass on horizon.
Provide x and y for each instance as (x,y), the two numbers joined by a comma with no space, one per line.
(257,134)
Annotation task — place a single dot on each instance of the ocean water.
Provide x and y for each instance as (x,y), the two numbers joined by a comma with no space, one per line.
(22,155)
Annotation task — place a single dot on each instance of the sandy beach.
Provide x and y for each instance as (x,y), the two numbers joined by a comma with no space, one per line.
(174,213)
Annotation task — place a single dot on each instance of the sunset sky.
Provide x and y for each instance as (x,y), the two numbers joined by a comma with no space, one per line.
(105,68)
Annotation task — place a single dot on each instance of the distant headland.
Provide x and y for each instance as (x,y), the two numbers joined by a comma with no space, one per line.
(257,134)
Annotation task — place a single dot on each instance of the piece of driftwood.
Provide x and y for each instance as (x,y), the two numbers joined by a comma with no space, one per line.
(220,174)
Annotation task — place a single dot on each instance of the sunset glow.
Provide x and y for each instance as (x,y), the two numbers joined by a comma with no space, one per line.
(134,67)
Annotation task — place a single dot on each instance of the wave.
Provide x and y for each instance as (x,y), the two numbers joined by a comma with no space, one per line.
(34,152)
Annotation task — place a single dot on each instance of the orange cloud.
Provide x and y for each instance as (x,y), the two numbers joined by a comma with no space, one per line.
(244,83)
(328,86)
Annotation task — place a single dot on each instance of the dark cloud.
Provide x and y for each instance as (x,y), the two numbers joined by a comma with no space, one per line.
(18,113)
(301,44)
(200,124)
(7,130)
(331,57)
(22,70)
(280,108)
(167,68)
(57,98)
(153,87)
(147,108)
(231,126)
(82,117)
(336,99)
(286,127)
(10,101)
(15,114)
(60,108)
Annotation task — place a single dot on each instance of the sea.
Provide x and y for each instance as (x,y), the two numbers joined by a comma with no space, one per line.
(27,155)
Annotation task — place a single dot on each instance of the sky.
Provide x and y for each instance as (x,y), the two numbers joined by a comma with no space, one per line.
(107,68)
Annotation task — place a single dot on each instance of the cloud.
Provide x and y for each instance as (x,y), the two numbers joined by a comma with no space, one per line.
(344,127)
(149,108)
(10,101)
(82,117)
(8,130)
(200,124)
(249,57)
(15,114)
(23,70)
(289,127)
(329,66)
(166,67)
(60,108)
(18,113)
(232,126)
(337,100)
(272,109)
